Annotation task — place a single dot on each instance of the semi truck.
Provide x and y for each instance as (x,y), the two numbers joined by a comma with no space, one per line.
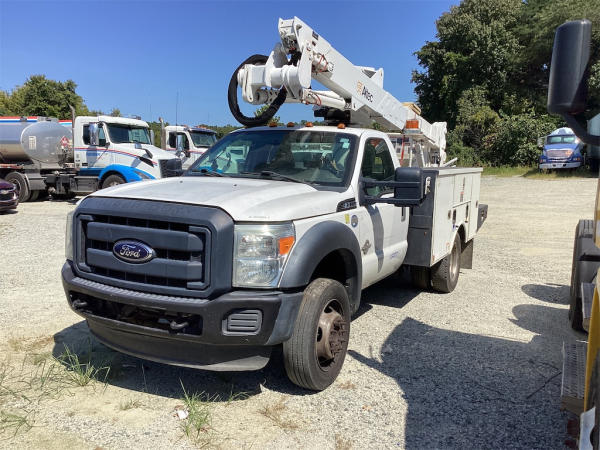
(580,387)
(194,141)
(43,155)
(561,149)
(270,237)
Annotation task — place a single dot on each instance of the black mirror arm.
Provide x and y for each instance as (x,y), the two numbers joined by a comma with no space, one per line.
(580,131)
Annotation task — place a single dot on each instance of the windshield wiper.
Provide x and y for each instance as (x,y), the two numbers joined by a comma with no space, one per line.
(275,175)
(208,173)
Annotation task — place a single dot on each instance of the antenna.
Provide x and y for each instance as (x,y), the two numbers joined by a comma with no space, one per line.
(176,108)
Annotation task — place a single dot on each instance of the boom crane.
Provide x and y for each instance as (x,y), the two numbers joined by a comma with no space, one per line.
(355,96)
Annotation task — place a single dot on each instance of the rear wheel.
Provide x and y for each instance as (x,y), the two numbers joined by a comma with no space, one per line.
(444,275)
(112,180)
(315,353)
(20,181)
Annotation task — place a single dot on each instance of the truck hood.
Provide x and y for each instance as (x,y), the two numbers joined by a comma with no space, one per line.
(244,199)
(562,146)
(158,153)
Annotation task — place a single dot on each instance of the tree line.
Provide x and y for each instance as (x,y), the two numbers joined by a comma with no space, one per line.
(486,74)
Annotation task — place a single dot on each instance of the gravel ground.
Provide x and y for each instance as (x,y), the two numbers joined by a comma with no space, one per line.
(477,368)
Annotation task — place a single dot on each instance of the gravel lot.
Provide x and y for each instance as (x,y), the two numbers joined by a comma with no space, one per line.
(477,368)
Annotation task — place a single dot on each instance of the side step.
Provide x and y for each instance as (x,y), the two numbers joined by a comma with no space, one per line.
(587,296)
(572,389)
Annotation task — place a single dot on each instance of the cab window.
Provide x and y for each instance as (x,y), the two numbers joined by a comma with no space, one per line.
(101,135)
(173,141)
(377,165)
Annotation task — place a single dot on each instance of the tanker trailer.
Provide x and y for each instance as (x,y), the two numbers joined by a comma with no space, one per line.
(32,151)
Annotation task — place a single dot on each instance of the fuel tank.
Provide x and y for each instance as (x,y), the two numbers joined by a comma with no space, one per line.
(43,141)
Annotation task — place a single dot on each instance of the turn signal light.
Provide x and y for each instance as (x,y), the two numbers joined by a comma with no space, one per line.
(285,244)
(290,124)
(272,124)
(308,124)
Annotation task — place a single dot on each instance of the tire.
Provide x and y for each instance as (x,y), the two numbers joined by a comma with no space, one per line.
(594,400)
(444,275)
(315,353)
(420,277)
(21,182)
(112,180)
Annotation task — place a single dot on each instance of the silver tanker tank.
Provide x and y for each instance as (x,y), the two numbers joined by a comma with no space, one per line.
(46,142)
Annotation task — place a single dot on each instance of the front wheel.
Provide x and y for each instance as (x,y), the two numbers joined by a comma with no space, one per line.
(315,353)
(112,180)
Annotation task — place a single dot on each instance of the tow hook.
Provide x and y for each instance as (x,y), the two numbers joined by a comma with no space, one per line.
(78,304)
(178,326)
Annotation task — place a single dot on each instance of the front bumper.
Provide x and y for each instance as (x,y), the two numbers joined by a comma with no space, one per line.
(9,204)
(153,326)
(560,165)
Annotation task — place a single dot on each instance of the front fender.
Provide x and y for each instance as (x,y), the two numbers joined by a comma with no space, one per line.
(315,244)
(128,173)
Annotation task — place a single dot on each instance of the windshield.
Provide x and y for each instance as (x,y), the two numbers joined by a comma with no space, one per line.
(562,139)
(122,134)
(318,157)
(203,139)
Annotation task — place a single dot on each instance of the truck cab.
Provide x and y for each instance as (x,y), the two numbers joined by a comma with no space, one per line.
(196,140)
(561,149)
(121,151)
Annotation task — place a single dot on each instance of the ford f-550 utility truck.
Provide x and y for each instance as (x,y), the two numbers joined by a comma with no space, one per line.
(270,238)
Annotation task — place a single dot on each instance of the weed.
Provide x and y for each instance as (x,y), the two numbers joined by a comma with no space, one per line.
(130,404)
(274,411)
(342,443)
(82,373)
(534,172)
(197,424)
(347,385)
(16,422)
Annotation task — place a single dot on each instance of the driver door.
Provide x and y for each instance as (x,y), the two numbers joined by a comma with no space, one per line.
(383,227)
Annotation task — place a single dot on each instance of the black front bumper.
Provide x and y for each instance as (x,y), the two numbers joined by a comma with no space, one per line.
(151,326)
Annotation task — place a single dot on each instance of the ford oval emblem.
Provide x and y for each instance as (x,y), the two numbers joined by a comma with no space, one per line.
(133,251)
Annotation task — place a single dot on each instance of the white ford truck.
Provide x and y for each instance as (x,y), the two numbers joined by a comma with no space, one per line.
(267,240)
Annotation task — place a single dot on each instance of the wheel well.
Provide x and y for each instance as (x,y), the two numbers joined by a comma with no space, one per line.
(340,265)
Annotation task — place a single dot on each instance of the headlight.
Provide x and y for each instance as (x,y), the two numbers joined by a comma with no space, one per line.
(69,237)
(259,254)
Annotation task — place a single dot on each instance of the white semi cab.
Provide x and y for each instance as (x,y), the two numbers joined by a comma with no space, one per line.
(267,240)
(44,156)
(194,142)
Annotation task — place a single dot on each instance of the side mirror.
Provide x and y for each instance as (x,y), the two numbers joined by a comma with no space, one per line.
(540,142)
(567,89)
(94,138)
(410,188)
(179,146)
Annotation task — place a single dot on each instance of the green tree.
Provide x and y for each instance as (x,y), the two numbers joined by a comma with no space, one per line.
(39,96)
(262,109)
(116,112)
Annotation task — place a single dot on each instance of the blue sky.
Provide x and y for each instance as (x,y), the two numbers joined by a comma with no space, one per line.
(140,56)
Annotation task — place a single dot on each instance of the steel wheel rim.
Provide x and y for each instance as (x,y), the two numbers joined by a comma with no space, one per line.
(454,259)
(332,335)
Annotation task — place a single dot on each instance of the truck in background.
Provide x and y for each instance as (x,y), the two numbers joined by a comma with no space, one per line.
(194,141)
(561,149)
(46,156)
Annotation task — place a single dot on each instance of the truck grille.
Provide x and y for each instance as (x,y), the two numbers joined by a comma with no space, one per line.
(180,251)
(192,246)
(559,154)
(170,167)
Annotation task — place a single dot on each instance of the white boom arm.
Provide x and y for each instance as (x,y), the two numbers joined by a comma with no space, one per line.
(356,91)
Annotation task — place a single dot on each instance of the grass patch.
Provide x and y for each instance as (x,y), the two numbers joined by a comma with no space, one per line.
(197,425)
(14,423)
(535,173)
(82,372)
(276,412)
(342,443)
(130,404)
